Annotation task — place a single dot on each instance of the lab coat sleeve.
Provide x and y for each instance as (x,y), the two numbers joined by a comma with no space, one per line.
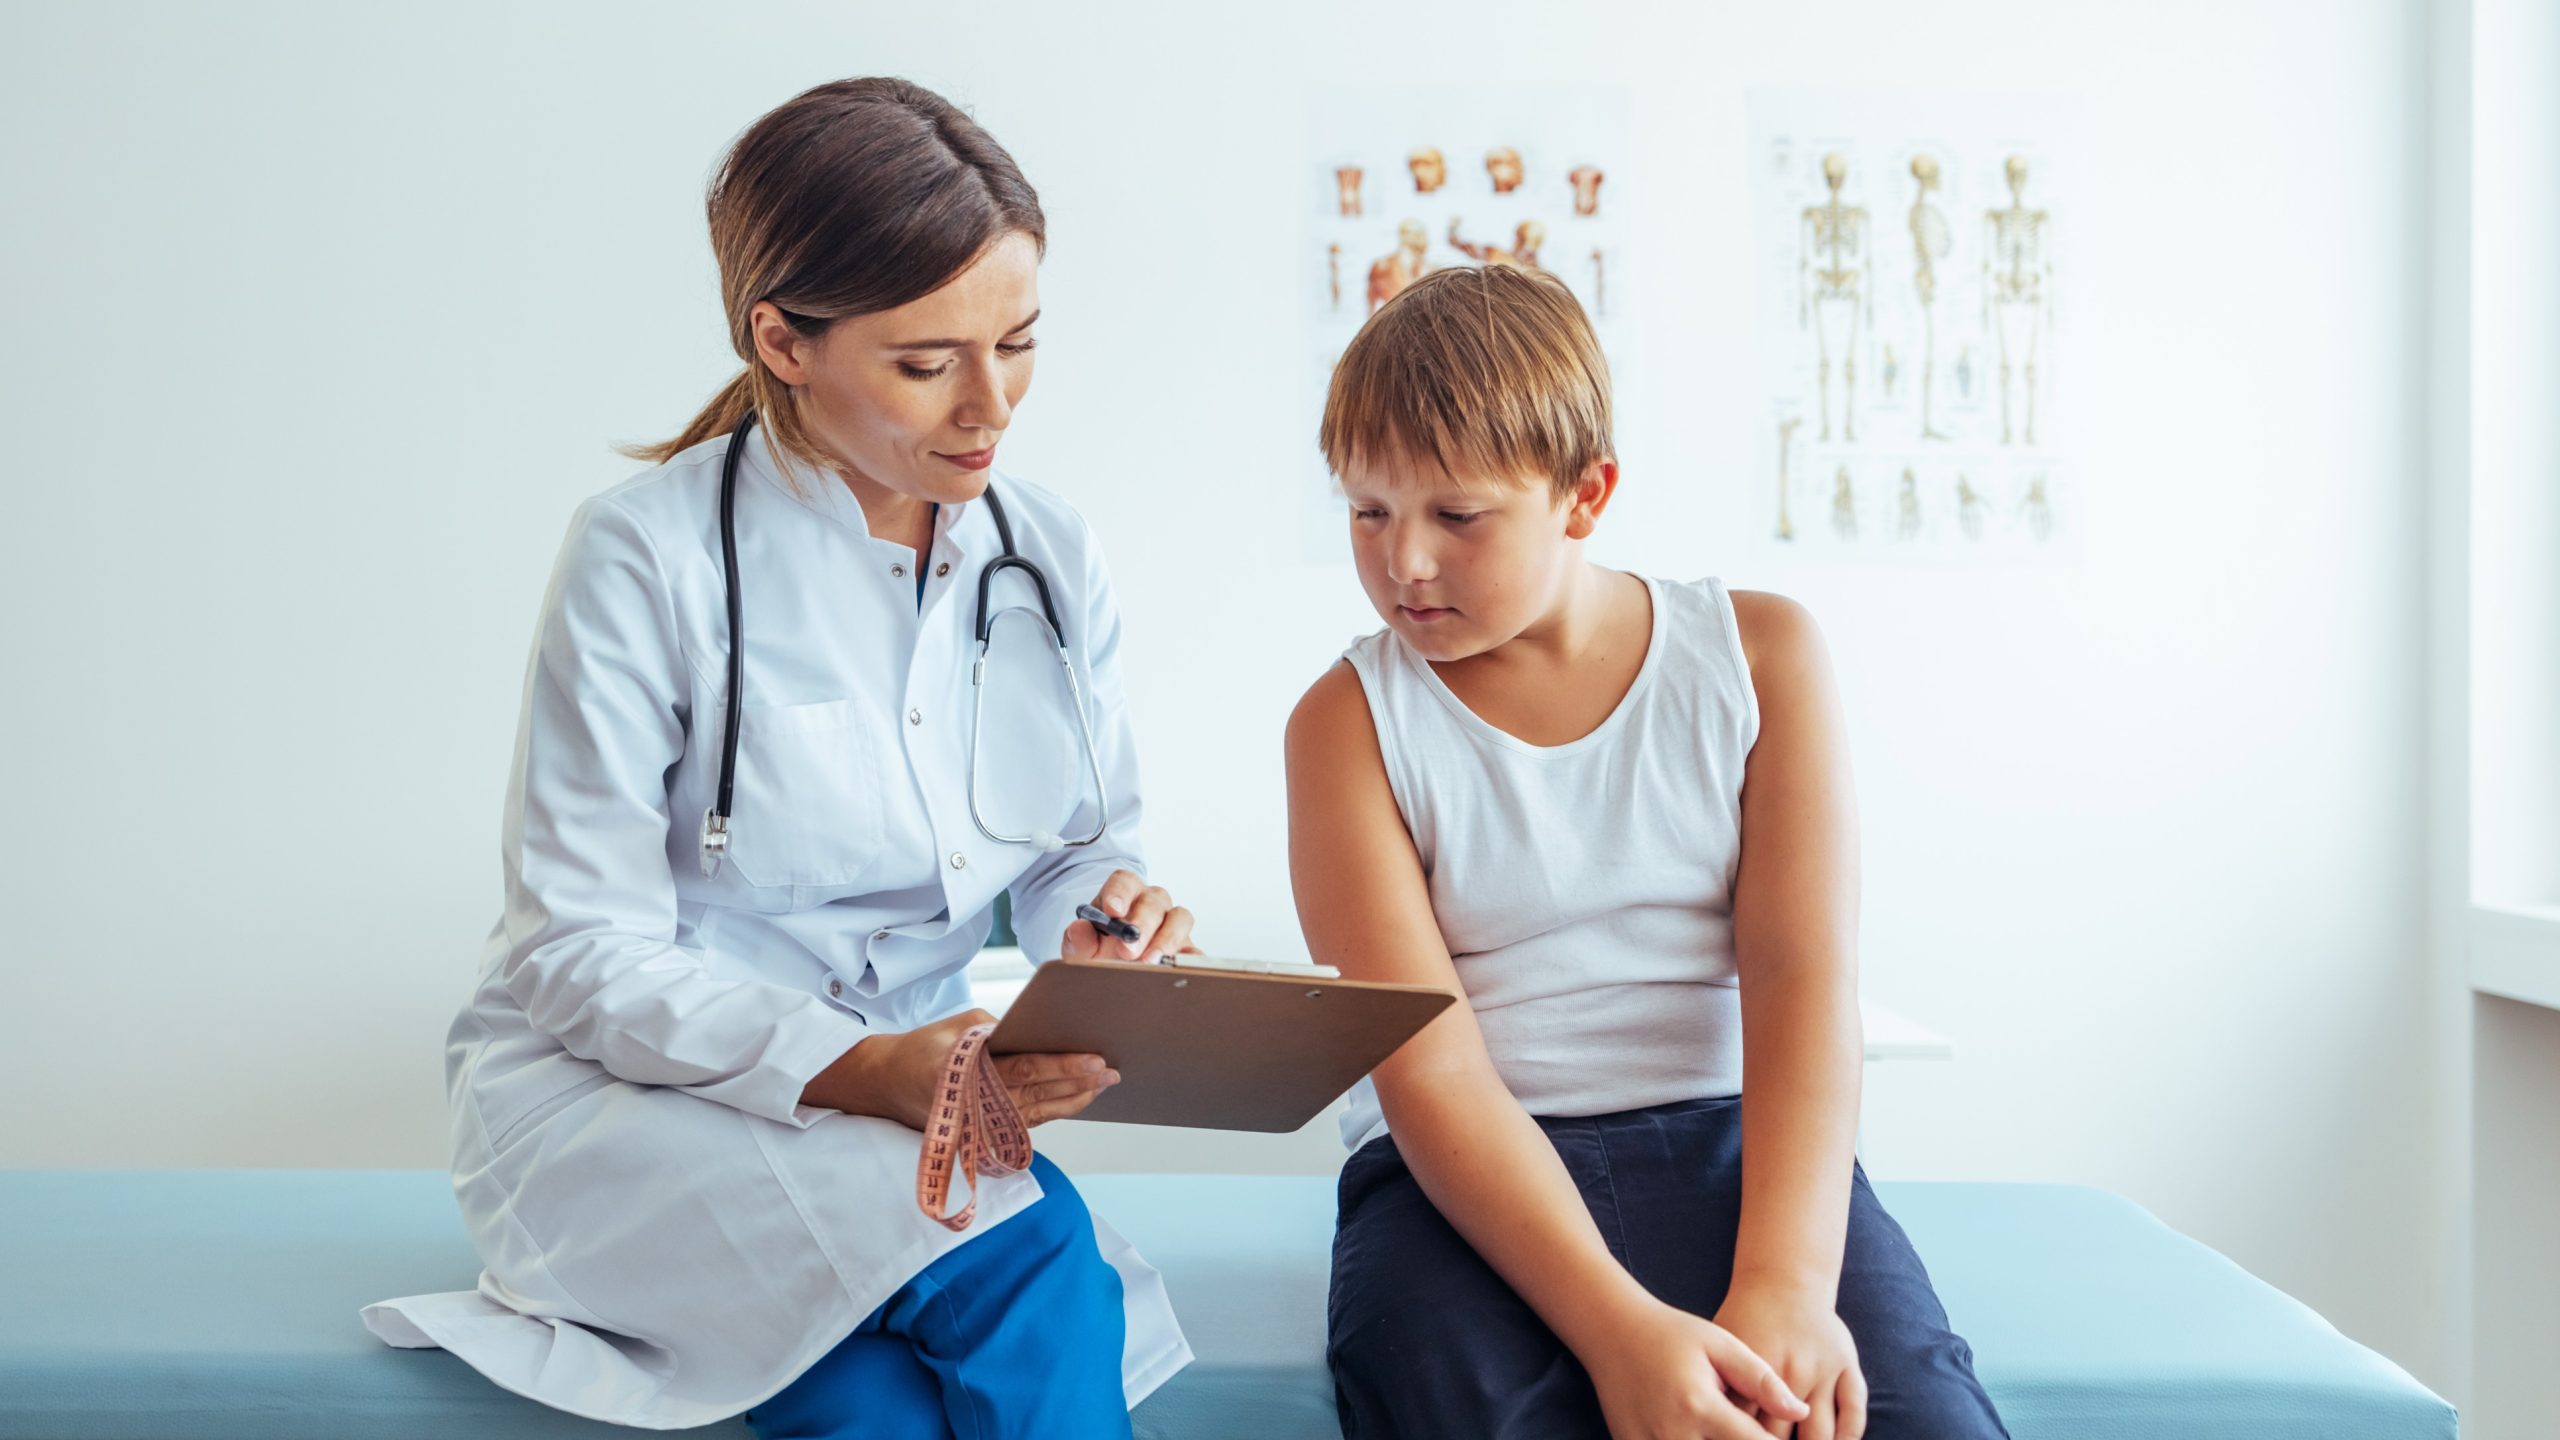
(1046,895)
(591,901)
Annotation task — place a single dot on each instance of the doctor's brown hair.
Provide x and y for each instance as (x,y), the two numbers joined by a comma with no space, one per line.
(1491,373)
(854,197)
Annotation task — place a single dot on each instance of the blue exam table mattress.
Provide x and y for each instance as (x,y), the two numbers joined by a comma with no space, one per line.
(221,1305)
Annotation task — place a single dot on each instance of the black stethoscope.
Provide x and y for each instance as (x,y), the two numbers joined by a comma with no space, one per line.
(715,821)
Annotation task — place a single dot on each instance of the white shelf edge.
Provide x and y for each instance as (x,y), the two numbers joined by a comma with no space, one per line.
(2515,953)
(998,975)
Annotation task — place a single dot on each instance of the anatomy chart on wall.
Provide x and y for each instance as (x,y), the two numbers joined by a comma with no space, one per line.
(1914,271)
(1403,182)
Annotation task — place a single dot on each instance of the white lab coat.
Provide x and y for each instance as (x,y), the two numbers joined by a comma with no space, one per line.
(670,1236)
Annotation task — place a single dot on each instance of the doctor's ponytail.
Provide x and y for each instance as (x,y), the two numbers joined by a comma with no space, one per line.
(854,197)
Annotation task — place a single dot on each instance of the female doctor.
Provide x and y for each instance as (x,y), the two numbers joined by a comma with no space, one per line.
(686,1095)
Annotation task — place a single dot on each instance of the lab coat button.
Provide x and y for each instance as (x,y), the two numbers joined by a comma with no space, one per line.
(898,570)
(879,934)
(915,717)
(959,861)
(942,569)
(836,988)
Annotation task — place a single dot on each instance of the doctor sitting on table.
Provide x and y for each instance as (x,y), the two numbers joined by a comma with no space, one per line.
(722,995)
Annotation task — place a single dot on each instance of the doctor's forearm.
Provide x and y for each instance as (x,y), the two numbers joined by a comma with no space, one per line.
(869,1079)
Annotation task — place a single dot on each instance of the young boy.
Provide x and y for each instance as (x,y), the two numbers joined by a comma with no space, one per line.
(1615,813)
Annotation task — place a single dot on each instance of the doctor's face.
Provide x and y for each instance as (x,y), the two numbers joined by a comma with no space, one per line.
(911,402)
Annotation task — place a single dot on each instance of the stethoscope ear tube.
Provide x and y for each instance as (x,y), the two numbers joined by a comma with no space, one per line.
(715,822)
(1010,559)
(1040,582)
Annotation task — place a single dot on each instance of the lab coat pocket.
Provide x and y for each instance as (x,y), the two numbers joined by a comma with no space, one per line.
(807,810)
(577,1079)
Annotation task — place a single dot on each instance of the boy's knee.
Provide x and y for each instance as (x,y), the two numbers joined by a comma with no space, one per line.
(1929,1393)
(1415,1374)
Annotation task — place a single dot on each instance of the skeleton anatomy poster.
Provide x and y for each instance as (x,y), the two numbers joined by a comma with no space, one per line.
(1913,275)
(1400,183)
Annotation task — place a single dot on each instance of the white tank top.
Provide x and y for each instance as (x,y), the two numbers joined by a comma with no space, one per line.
(1585,890)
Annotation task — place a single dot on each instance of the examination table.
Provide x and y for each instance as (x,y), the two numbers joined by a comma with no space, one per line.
(221,1305)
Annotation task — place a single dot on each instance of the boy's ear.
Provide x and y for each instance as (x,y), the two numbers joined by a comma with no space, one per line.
(1590,496)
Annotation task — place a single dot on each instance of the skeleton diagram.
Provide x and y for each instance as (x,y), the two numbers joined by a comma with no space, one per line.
(2037,509)
(1346,190)
(1786,442)
(2017,273)
(1930,243)
(1968,508)
(1844,506)
(1523,253)
(1430,170)
(1585,180)
(1833,254)
(1333,272)
(1400,267)
(1503,168)
(1599,283)
(1906,525)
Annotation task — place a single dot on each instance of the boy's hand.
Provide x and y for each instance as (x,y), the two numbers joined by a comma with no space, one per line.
(1164,928)
(1801,1335)
(1673,1376)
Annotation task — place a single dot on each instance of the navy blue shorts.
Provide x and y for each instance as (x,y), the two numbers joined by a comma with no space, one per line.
(1426,1340)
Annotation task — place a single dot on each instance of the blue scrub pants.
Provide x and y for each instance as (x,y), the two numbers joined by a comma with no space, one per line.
(1426,1340)
(1017,1334)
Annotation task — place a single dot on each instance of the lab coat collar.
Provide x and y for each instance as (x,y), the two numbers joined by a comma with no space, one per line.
(966,527)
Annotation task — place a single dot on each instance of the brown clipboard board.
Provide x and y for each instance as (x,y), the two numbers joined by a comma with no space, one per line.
(1213,1049)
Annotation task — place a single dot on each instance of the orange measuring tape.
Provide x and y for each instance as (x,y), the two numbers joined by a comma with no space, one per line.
(973,1129)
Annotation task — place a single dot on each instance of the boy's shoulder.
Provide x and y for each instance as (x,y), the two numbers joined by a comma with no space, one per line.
(1773,627)
(1339,696)
(1334,710)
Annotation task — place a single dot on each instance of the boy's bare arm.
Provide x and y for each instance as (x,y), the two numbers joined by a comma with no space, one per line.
(1795,931)
(1485,1165)
(1364,907)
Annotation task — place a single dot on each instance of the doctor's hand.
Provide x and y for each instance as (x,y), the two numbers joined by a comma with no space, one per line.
(1164,928)
(897,1076)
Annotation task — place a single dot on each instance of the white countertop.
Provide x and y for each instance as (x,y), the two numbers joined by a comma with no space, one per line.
(998,975)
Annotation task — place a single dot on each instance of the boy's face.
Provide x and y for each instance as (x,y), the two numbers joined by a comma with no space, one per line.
(1457,567)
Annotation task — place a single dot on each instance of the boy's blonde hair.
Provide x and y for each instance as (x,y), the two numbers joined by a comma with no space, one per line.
(1489,372)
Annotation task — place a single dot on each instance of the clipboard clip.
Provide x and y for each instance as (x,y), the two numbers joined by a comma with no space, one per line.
(1287,968)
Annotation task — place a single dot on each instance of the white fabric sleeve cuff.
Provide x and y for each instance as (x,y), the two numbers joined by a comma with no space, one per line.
(804,1042)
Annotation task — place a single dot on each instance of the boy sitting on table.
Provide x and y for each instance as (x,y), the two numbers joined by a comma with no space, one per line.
(1614,812)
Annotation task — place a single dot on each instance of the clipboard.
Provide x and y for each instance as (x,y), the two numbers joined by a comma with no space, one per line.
(1213,1049)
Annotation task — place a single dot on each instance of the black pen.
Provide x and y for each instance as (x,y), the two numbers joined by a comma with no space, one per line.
(1108,924)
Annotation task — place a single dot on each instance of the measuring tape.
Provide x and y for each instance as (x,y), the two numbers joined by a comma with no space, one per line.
(974,1128)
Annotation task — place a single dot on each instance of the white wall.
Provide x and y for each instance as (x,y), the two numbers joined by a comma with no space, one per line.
(315,322)
(2450,106)
(2505,793)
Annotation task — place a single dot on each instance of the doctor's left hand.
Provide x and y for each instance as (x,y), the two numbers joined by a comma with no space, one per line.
(1164,928)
